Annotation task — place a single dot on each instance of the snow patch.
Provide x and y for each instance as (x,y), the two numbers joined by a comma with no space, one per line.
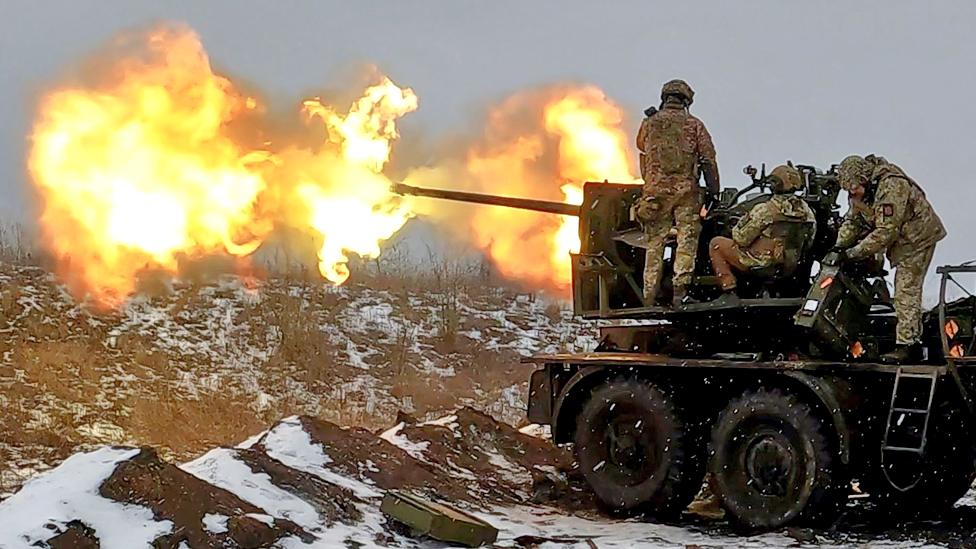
(215,524)
(70,492)
(288,443)
(221,468)
(415,449)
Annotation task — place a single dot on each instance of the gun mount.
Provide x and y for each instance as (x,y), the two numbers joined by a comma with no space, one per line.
(607,281)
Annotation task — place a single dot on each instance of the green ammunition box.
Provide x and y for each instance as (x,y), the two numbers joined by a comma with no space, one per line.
(436,520)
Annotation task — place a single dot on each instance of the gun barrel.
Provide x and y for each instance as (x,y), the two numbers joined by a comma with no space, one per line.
(545,206)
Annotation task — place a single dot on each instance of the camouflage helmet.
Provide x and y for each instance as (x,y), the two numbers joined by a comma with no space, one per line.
(679,88)
(785,179)
(853,171)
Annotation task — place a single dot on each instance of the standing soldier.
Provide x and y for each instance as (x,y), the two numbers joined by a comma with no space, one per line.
(903,224)
(774,233)
(675,148)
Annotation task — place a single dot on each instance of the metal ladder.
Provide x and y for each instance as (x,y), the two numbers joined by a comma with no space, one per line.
(908,420)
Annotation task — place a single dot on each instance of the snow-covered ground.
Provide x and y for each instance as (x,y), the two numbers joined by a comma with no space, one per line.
(300,485)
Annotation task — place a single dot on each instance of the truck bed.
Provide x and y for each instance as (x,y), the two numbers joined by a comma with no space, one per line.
(656,360)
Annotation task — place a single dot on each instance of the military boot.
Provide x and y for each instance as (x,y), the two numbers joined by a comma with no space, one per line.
(727,299)
(681,297)
(903,354)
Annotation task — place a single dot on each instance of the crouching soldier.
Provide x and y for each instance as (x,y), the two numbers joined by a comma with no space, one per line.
(773,234)
(902,224)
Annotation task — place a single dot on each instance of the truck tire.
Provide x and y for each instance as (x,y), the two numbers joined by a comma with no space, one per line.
(774,461)
(948,470)
(634,451)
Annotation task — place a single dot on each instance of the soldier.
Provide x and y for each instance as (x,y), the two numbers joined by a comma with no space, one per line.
(675,148)
(901,223)
(773,233)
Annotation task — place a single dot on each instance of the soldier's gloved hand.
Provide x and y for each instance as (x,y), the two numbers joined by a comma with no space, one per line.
(834,257)
(711,200)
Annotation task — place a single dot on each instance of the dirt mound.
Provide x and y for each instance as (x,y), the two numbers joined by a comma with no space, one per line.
(305,480)
(333,503)
(183,499)
(499,463)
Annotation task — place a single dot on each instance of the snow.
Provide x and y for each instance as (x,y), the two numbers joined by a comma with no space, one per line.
(536,430)
(445,421)
(222,468)
(70,492)
(215,524)
(415,449)
(606,534)
(261,517)
(288,443)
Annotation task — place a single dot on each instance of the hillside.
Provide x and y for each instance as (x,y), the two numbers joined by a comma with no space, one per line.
(189,366)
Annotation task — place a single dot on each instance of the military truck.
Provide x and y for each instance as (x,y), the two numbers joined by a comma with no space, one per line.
(777,397)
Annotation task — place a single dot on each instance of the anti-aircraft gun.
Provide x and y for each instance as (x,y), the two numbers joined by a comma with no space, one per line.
(780,397)
(607,272)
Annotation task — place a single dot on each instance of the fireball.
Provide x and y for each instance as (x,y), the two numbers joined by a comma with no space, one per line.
(347,197)
(540,144)
(138,171)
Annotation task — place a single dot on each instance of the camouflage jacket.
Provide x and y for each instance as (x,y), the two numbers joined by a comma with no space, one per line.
(901,221)
(676,148)
(758,234)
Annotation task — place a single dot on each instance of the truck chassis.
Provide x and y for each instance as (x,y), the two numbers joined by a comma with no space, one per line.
(779,440)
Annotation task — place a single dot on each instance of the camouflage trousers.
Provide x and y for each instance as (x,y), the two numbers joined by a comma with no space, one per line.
(659,214)
(909,277)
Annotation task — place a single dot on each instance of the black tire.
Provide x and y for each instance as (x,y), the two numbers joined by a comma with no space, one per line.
(634,451)
(774,461)
(947,471)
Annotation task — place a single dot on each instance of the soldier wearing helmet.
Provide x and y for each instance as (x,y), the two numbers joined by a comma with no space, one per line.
(676,149)
(889,213)
(772,236)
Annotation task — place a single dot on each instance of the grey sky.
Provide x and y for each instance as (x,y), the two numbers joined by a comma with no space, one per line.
(775,80)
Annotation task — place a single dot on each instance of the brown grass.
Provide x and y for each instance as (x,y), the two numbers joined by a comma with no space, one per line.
(187,426)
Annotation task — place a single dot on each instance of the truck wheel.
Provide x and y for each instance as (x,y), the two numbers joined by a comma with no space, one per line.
(947,470)
(634,451)
(773,462)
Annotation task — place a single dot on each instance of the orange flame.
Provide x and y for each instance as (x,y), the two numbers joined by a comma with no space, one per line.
(540,144)
(356,217)
(141,170)
(151,166)
(592,147)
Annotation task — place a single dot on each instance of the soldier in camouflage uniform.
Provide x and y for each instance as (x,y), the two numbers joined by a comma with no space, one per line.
(675,149)
(773,233)
(901,223)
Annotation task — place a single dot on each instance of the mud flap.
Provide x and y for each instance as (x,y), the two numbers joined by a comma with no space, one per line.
(540,397)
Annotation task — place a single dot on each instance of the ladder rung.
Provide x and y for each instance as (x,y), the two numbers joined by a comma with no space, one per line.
(902,449)
(932,376)
(910,410)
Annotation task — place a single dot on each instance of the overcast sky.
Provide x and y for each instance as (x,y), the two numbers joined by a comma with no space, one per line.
(774,80)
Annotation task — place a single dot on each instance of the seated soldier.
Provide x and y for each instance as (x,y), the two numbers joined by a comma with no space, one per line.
(772,234)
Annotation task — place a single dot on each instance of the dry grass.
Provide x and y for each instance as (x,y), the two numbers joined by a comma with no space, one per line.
(187,426)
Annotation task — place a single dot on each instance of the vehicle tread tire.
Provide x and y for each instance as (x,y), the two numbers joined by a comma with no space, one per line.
(828,487)
(676,483)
